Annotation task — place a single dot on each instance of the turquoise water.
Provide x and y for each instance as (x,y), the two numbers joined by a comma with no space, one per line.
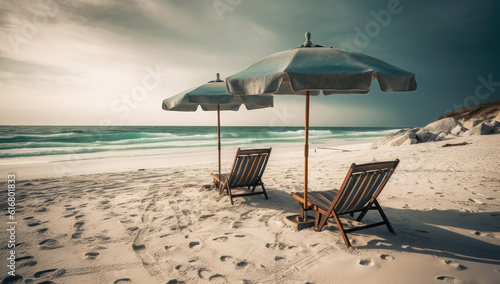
(40,141)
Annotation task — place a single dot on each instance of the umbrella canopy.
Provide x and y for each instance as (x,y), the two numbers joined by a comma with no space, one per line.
(316,68)
(310,69)
(213,96)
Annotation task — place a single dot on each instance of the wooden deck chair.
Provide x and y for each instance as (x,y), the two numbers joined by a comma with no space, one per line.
(358,193)
(247,170)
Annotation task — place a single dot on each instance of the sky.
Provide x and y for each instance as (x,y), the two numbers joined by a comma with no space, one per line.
(112,62)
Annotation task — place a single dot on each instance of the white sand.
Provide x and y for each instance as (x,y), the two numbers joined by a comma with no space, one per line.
(116,224)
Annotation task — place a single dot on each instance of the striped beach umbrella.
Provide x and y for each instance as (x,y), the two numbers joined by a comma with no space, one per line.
(311,69)
(213,96)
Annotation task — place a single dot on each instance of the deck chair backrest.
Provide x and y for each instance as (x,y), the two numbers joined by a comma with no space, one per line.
(362,185)
(248,167)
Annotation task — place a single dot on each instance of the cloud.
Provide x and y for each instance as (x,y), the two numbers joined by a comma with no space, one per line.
(88,52)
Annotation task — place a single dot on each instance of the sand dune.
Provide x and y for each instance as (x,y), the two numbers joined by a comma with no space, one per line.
(162,226)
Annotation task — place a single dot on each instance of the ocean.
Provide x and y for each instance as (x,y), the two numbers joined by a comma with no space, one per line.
(28,144)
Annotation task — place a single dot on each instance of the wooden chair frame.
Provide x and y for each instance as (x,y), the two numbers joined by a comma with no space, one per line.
(253,179)
(327,203)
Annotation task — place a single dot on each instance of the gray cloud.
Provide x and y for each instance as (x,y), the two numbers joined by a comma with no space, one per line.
(449,44)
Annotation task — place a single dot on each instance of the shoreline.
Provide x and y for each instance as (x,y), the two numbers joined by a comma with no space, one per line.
(186,156)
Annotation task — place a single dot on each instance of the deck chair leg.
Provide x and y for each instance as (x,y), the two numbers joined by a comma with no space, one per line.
(230,195)
(222,186)
(386,220)
(321,221)
(341,229)
(264,190)
(253,188)
(363,213)
(317,220)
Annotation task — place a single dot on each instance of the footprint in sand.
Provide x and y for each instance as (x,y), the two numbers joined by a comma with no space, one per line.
(175,281)
(242,264)
(33,223)
(366,262)
(455,265)
(224,257)
(386,257)
(237,225)
(79,224)
(278,258)
(133,229)
(41,231)
(71,214)
(49,244)
(23,258)
(91,255)
(220,239)
(476,201)
(448,279)
(202,271)
(193,244)
(28,263)
(123,281)
(203,217)
(78,233)
(12,279)
(215,276)
(41,273)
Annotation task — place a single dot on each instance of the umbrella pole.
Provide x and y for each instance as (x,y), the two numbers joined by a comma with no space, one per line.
(218,142)
(306,159)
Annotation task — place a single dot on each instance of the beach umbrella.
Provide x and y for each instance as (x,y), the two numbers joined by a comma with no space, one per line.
(310,69)
(213,96)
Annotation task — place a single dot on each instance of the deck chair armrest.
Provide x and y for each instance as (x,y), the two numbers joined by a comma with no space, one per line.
(300,198)
(216,177)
